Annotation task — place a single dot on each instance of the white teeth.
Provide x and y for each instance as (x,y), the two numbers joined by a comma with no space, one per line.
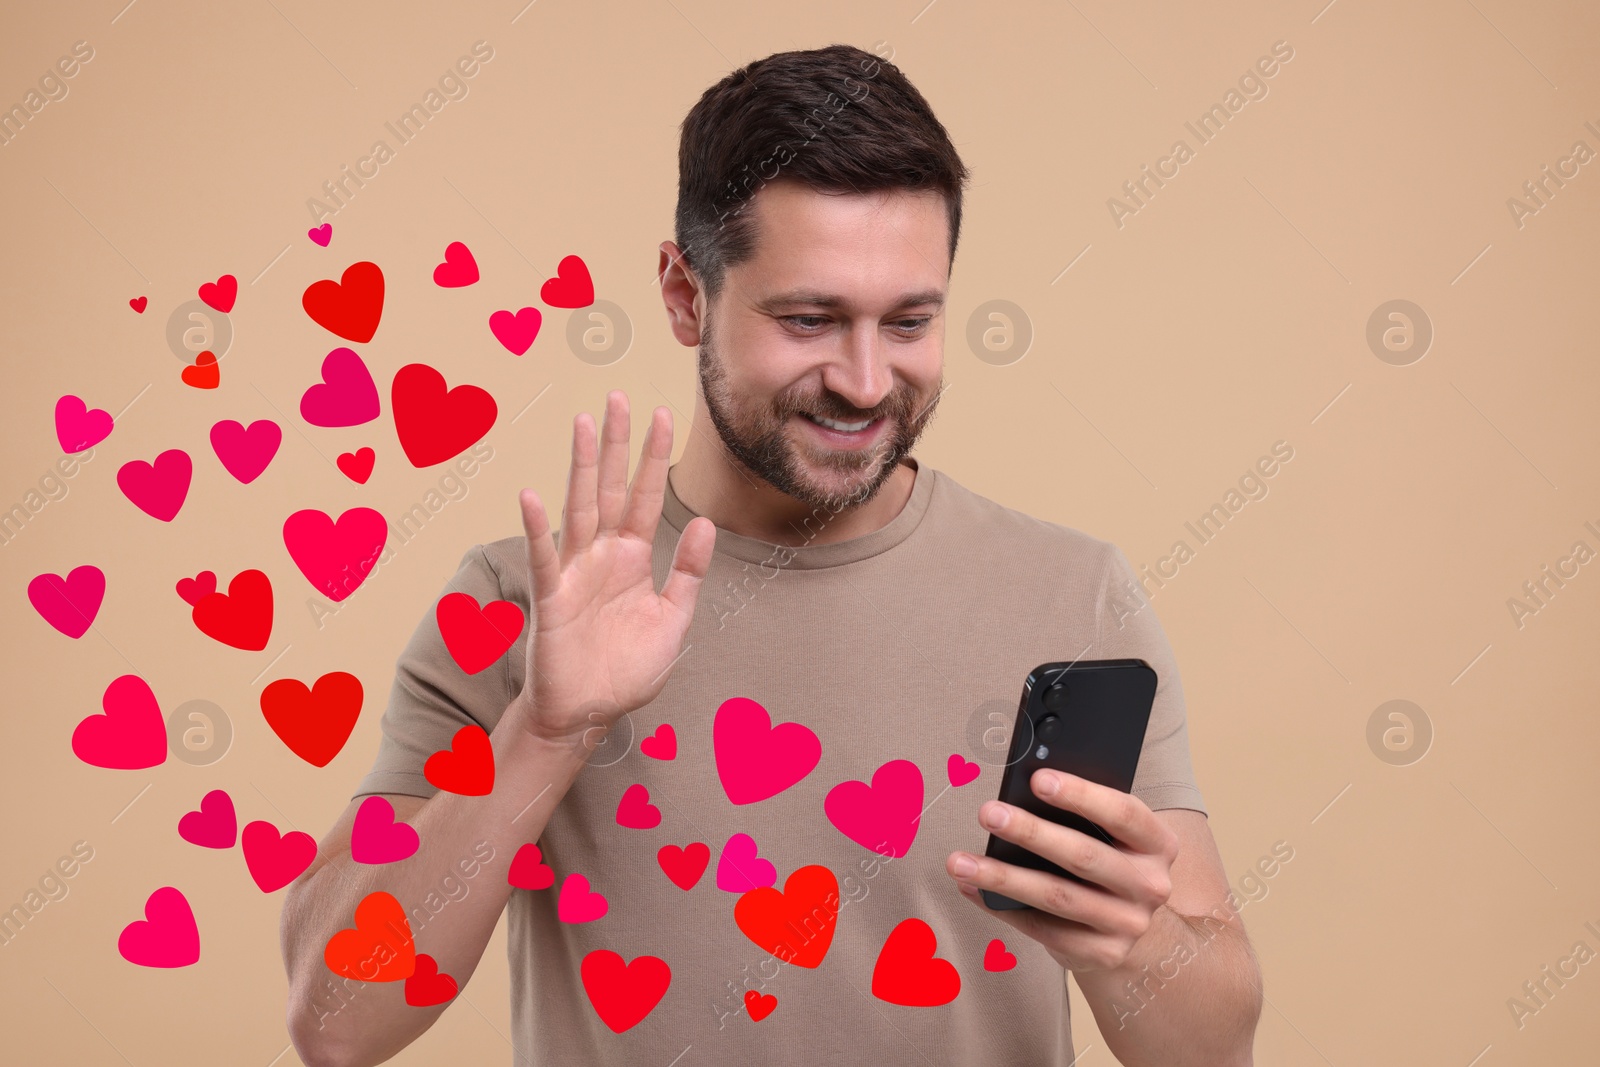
(843,427)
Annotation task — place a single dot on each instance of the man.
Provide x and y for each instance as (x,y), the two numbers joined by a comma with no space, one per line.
(764,769)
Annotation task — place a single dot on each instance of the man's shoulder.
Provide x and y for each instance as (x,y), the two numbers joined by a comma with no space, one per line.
(962,513)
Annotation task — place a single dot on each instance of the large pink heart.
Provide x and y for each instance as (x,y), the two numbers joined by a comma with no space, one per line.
(276,861)
(376,838)
(246,453)
(78,426)
(884,816)
(755,759)
(71,603)
(130,736)
(577,903)
(158,490)
(347,395)
(214,825)
(167,935)
(517,331)
(740,869)
(335,557)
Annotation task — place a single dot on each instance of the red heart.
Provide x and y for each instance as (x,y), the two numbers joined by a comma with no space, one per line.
(908,973)
(458,268)
(130,736)
(357,465)
(996,958)
(434,423)
(221,293)
(138,303)
(807,906)
(350,307)
(623,994)
(759,1005)
(314,722)
(276,861)
(663,744)
(380,948)
(529,871)
(684,865)
(635,810)
(466,767)
(571,288)
(204,374)
(477,637)
(241,617)
(426,986)
(215,825)
(195,589)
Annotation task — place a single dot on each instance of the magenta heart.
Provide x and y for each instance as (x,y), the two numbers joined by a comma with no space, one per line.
(662,745)
(741,869)
(376,838)
(517,331)
(960,770)
(884,816)
(458,268)
(347,395)
(167,935)
(214,825)
(78,426)
(755,759)
(246,453)
(635,811)
(276,861)
(158,490)
(71,603)
(528,869)
(335,557)
(577,903)
(130,736)
(321,234)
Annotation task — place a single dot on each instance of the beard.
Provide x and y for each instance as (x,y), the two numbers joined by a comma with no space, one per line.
(757,436)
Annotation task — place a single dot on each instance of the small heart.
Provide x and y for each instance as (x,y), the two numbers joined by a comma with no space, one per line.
(960,770)
(275,861)
(79,426)
(571,287)
(466,767)
(138,303)
(214,825)
(426,986)
(357,465)
(578,903)
(193,590)
(516,332)
(996,958)
(321,234)
(635,811)
(759,1005)
(528,869)
(221,293)
(246,452)
(684,865)
(662,745)
(376,838)
(167,935)
(458,268)
(741,869)
(69,604)
(204,374)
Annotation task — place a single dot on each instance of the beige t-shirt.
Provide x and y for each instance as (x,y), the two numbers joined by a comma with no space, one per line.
(909,643)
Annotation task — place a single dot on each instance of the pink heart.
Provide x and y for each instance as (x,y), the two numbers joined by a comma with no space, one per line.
(960,771)
(276,861)
(884,816)
(517,331)
(528,869)
(193,590)
(167,935)
(663,744)
(740,869)
(577,904)
(458,268)
(246,453)
(347,395)
(755,759)
(321,234)
(335,557)
(214,825)
(376,838)
(78,426)
(636,812)
(157,490)
(130,736)
(69,604)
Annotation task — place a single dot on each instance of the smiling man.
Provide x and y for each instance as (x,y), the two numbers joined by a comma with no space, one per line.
(718,730)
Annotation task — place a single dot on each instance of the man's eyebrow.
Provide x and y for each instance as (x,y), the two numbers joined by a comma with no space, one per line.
(818,298)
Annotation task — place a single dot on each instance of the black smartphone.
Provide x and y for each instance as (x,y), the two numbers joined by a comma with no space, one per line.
(1086,718)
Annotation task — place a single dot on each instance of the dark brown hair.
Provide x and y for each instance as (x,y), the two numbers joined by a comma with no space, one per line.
(837,119)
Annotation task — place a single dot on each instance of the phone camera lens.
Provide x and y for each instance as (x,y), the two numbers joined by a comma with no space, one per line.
(1047,726)
(1055,697)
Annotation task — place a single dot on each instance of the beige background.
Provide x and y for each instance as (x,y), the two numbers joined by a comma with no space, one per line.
(1228,314)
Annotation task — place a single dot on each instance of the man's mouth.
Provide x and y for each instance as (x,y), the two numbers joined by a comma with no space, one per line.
(841,427)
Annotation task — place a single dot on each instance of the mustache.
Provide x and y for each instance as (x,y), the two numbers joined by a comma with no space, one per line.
(898,405)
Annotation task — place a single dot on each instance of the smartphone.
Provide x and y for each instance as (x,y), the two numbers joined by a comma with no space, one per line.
(1086,718)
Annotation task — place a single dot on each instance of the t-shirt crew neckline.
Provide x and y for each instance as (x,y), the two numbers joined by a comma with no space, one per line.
(810,557)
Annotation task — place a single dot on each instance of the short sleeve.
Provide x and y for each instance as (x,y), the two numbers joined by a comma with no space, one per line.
(432,697)
(1127,627)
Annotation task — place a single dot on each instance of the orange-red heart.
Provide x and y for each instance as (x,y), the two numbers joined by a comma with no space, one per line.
(204,374)
(380,948)
(314,722)
(350,307)
(797,924)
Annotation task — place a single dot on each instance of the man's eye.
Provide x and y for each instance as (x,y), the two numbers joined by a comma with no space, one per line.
(912,325)
(799,320)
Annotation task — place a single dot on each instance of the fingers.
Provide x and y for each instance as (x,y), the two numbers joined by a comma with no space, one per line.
(1089,905)
(544,565)
(1124,816)
(690,561)
(643,510)
(613,463)
(1085,856)
(581,514)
